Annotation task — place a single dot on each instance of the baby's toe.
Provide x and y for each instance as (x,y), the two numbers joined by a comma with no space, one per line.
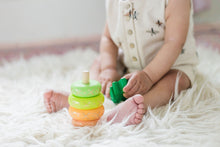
(141,111)
(47,100)
(139,116)
(53,107)
(141,106)
(137,121)
(48,105)
(49,109)
(138,99)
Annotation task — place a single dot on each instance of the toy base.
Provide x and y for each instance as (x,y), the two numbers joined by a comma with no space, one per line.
(86,115)
(80,123)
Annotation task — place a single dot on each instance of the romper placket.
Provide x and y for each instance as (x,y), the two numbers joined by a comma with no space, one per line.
(128,23)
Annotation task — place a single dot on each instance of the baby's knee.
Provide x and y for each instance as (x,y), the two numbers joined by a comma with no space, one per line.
(174,79)
(184,82)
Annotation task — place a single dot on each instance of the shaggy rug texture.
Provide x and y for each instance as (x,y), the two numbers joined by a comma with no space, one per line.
(192,120)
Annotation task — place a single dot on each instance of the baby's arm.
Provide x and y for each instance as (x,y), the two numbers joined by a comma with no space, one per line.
(108,51)
(177,23)
(108,54)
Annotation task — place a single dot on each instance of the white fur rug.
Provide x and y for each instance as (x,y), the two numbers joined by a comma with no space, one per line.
(193,120)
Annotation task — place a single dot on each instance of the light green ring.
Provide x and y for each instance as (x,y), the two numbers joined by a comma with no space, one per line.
(86,103)
(86,90)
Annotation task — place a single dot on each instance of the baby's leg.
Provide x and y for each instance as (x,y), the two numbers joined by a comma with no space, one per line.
(54,101)
(159,95)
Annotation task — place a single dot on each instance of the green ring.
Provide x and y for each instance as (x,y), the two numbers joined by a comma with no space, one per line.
(86,90)
(86,103)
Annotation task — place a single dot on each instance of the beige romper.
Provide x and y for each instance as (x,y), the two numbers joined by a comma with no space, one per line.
(137,27)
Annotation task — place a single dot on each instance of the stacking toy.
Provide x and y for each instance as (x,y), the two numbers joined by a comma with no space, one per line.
(86,102)
(116,90)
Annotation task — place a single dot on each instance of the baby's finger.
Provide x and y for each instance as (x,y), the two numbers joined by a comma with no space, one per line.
(103,87)
(100,79)
(107,92)
(132,92)
(130,84)
(128,76)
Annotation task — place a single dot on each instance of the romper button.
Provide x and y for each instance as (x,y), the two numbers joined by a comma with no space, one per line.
(134,58)
(130,32)
(132,45)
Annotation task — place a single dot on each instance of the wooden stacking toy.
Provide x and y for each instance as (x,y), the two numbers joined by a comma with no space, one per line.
(116,90)
(86,102)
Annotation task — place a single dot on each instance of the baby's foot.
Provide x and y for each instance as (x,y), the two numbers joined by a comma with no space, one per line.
(133,107)
(55,101)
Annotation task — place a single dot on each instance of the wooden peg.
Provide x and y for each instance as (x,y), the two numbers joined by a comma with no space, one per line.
(85,77)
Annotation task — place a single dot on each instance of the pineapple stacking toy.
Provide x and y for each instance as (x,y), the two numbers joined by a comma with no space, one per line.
(86,102)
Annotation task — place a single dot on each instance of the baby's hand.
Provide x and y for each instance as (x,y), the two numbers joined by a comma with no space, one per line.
(106,78)
(139,83)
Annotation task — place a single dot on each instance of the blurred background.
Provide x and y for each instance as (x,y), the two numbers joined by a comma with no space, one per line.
(36,20)
(27,25)
(207,11)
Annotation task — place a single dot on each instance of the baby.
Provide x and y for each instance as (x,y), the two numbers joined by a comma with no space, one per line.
(149,42)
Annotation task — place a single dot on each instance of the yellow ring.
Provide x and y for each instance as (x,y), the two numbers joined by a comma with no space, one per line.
(86,115)
(86,103)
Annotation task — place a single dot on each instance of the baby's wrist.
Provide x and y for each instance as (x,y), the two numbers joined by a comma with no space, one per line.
(148,76)
(109,68)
